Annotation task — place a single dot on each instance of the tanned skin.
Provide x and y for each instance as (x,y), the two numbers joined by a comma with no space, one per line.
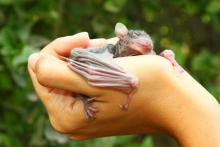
(97,66)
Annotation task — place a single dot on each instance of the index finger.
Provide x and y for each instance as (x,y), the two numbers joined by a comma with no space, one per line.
(63,45)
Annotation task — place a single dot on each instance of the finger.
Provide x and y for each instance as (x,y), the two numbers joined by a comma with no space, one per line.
(62,46)
(41,90)
(100,42)
(53,99)
(112,40)
(54,73)
(60,105)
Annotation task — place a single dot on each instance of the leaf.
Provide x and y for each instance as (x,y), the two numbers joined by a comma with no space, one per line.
(107,142)
(37,135)
(6,2)
(8,37)
(148,142)
(8,141)
(5,82)
(24,32)
(191,8)
(23,56)
(213,7)
(38,41)
(55,136)
(114,6)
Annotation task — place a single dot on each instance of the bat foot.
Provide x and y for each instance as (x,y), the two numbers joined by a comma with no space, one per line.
(169,55)
(89,108)
(125,104)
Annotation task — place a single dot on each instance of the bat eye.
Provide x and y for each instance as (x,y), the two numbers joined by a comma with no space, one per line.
(132,52)
(135,54)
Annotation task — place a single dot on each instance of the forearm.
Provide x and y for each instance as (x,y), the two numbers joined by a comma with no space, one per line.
(201,125)
(164,101)
(194,114)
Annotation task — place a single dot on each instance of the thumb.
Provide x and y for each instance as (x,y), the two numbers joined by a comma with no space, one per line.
(62,46)
(54,73)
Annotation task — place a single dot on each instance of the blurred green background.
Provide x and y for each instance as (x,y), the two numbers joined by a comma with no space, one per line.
(190,28)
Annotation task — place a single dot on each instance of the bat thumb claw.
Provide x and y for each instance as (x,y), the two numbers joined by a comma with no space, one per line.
(123,106)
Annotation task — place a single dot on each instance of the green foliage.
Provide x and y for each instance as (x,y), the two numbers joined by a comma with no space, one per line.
(190,28)
(114,6)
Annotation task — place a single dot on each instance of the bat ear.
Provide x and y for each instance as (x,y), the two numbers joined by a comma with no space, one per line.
(120,30)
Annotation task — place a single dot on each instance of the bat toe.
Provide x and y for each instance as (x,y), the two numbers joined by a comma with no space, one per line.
(90,109)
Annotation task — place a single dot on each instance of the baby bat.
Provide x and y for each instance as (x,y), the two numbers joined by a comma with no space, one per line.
(97,66)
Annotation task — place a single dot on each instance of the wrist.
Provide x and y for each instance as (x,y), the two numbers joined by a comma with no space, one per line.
(188,112)
(199,131)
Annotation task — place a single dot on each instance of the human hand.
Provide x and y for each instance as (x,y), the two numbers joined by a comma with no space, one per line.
(155,107)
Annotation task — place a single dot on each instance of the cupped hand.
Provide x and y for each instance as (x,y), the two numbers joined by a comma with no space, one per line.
(151,108)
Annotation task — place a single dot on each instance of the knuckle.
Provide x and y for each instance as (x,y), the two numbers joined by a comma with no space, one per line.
(42,71)
(161,64)
(59,126)
(65,124)
(59,39)
(164,68)
(64,127)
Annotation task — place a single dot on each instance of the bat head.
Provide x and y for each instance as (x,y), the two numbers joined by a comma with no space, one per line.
(132,42)
(140,42)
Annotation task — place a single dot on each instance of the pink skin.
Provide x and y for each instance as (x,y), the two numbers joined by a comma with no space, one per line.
(113,76)
(169,55)
(108,74)
(88,103)
(100,70)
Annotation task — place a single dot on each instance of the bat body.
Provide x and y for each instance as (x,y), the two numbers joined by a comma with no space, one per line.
(97,66)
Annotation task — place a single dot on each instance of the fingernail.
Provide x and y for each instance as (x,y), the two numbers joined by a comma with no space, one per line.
(82,34)
(82,39)
(99,42)
(32,60)
(112,40)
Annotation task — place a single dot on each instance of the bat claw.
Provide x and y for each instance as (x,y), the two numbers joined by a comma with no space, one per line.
(90,100)
(93,109)
(90,109)
(124,105)
(170,56)
(90,114)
